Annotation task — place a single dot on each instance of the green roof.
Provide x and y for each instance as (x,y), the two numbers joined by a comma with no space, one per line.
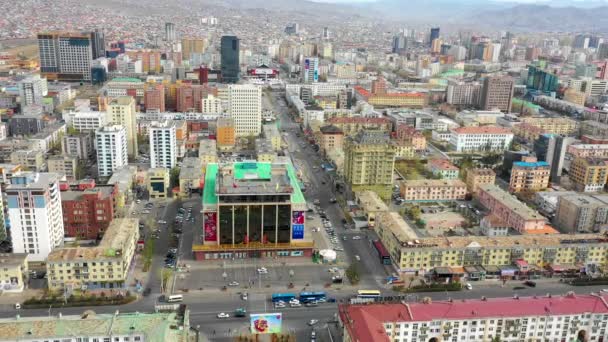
(127,79)
(261,170)
(451,72)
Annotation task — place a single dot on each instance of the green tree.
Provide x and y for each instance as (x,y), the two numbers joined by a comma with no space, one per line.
(174,177)
(352,272)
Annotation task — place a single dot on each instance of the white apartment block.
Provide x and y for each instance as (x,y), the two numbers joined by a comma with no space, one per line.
(211,105)
(463,93)
(111,144)
(163,145)
(35,214)
(318,89)
(246,108)
(86,121)
(120,87)
(541,318)
(32,89)
(482,138)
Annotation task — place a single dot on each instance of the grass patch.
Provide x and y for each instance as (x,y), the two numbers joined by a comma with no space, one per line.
(78,300)
(434,287)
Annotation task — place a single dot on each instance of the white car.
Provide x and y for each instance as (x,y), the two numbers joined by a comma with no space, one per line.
(162,222)
(262,270)
(358,258)
(295,305)
(223,315)
(279,305)
(294,301)
(313,321)
(233,283)
(356,237)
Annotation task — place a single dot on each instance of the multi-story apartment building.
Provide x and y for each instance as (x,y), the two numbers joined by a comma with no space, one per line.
(353,125)
(15,272)
(497,92)
(431,190)
(193,46)
(78,145)
(154,97)
(443,168)
(121,111)
(225,133)
(190,175)
(31,90)
(372,205)
(189,97)
(576,97)
(529,175)
(246,109)
(483,138)
(163,147)
(111,149)
(571,317)
(64,165)
(34,211)
(552,149)
(103,266)
(330,138)
(125,86)
(409,135)
(561,126)
(509,209)
(579,213)
(588,151)
(211,105)
(271,132)
(88,209)
(207,151)
(465,94)
(410,100)
(86,121)
(66,56)
(30,159)
(478,177)
(157,181)
(310,69)
(369,159)
(588,174)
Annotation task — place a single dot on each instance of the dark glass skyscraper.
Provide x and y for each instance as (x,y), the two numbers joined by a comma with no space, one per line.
(434,35)
(230,59)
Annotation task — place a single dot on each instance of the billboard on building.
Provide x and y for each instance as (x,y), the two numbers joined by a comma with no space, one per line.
(297,224)
(266,323)
(210,226)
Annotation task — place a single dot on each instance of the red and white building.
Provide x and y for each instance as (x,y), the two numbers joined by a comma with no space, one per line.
(555,319)
(482,138)
(263,72)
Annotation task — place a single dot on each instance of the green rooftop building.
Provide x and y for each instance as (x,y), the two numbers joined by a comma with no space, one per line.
(252,209)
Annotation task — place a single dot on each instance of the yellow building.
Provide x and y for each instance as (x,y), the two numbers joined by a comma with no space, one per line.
(588,174)
(271,132)
(192,45)
(226,138)
(564,126)
(264,151)
(13,272)
(64,165)
(32,160)
(207,151)
(372,205)
(404,150)
(330,138)
(575,97)
(429,190)
(478,177)
(158,182)
(190,175)
(529,175)
(103,266)
(369,159)
(411,100)
(121,111)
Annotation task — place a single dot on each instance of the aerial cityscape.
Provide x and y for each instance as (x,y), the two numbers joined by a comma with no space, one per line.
(294,170)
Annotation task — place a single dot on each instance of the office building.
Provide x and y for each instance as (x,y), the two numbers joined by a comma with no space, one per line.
(118,326)
(15,272)
(211,105)
(34,211)
(78,145)
(192,46)
(154,97)
(529,175)
(264,151)
(602,51)
(464,94)
(170,34)
(88,209)
(579,213)
(571,317)
(588,174)
(111,149)
(430,190)
(105,266)
(163,145)
(552,149)
(482,138)
(252,210)
(576,97)
(65,166)
(399,44)
(541,80)
(86,121)
(230,63)
(309,69)
(497,93)
(400,99)
(246,109)
(434,35)
(510,210)
(31,90)
(225,133)
(66,56)
(121,111)
(331,139)
(369,159)
(477,177)
(98,44)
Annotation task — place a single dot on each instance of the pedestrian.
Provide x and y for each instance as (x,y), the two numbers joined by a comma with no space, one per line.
(213,332)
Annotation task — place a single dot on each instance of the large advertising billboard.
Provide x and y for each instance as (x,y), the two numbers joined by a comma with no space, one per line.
(210,226)
(297,225)
(266,323)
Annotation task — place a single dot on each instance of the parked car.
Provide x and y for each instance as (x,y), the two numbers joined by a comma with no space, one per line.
(233,283)
(313,322)
(530,283)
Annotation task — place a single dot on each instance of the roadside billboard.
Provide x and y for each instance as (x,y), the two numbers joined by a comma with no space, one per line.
(266,323)
(210,226)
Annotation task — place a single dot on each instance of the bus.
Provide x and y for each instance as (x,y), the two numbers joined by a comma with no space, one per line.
(312,296)
(368,293)
(175,298)
(385,258)
(282,297)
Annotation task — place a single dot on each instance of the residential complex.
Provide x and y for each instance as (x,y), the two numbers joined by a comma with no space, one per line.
(111,149)
(78,145)
(478,177)
(511,211)
(14,275)
(121,111)
(34,211)
(88,209)
(581,213)
(560,126)
(588,150)
(103,266)
(409,135)
(480,139)
(246,109)
(353,125)
(163,145)
(443,169)
(553,318)
(529,175)
(331,138)
(588,174)
(369,159)
(497,92)
(225,133)
(66,56)
(431,190)
(65,166)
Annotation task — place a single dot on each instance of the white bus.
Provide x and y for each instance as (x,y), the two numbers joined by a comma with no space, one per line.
(175,298)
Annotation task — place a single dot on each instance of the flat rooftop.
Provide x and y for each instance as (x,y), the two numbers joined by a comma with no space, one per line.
(511,202)
(370,201)
(400,229)
(12,259)
(433,182)
(73,195)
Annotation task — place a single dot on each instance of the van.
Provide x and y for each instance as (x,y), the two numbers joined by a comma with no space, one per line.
(175,298)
